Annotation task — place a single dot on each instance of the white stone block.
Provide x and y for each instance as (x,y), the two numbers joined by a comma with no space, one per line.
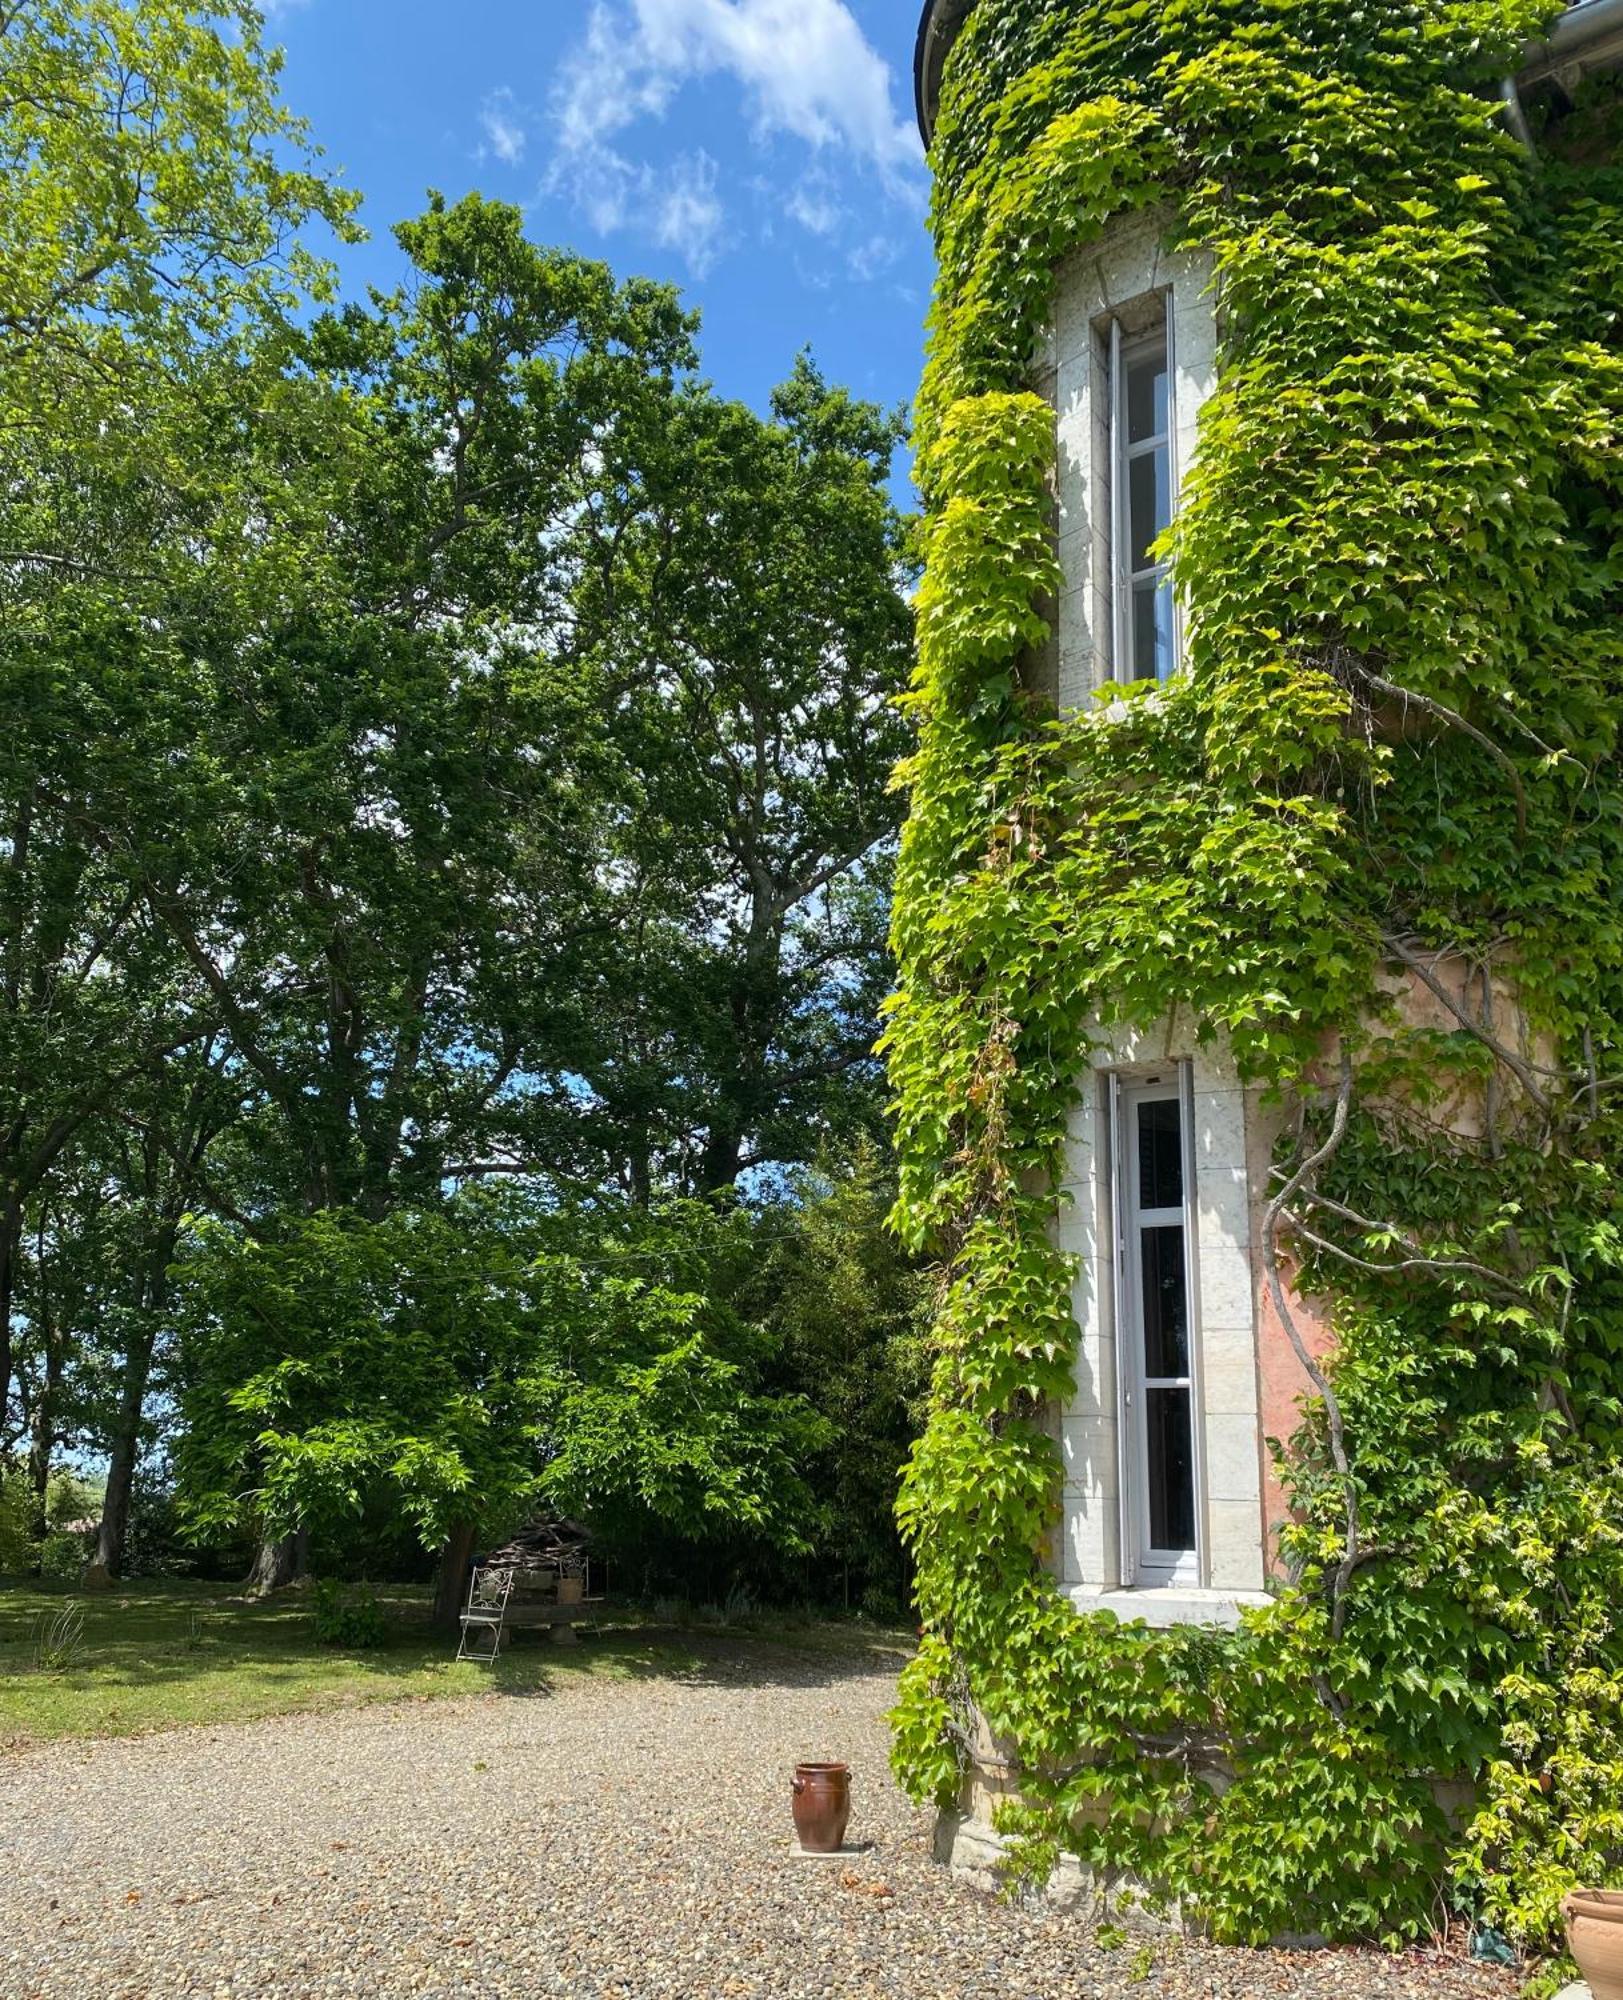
(1215,1067)
(1233,1467)
(1093,1377)
(1234,1532)
(1077,1227)
(1194,326)
(1074,549)
(1171,1604)
(1082,1126)
(1223,1208)
(1088,1450)
(1228,1374)
(1219,1129)
(1086,1541)
(1225,1288)
(1088,1289)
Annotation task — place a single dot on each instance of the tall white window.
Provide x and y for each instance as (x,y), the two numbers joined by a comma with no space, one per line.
(1142,488)
(1160,1474)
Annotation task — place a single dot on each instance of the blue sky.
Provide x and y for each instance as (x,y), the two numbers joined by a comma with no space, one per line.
(759,153)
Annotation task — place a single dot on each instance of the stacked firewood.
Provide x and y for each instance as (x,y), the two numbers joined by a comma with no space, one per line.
(548,1546)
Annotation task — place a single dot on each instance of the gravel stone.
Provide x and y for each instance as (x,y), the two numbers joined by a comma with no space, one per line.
(612,1837)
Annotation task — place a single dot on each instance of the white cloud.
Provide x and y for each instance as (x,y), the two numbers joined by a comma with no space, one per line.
(814,208)
(867,259)
(805,69)
(687,216)
(605,84)
(504,126)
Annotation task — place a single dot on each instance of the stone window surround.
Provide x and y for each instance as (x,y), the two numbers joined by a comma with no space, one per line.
(1223,1335)
(1122,277)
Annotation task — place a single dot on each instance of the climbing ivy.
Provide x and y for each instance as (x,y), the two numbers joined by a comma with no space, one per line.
(1389,769)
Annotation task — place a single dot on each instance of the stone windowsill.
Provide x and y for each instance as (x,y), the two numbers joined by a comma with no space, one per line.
(1171,1604)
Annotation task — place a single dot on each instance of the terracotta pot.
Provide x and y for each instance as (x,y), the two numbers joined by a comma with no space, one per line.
(822,1804)
(1595,1938)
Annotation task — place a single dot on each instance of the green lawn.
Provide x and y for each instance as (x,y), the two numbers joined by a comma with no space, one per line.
(162,1654)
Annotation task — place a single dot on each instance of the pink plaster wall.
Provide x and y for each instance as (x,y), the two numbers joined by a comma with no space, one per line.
(1281,1380)
(1460,1111)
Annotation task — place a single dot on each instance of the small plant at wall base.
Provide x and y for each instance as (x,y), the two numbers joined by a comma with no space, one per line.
(1393,751)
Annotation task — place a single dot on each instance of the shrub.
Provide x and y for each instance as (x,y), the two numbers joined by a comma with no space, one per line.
(63,1553)
(353,1619)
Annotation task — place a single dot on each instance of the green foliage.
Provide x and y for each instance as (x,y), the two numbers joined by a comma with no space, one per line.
(476,1364)
(1394,745)
(844,1310)
(441,743)
(814,1301)
(16,1519)
(750,650)
(39,1539)
(346,1616)
(63,1555)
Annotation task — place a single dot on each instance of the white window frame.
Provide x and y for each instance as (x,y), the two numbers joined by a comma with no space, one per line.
(1141,1566)
(1125,347)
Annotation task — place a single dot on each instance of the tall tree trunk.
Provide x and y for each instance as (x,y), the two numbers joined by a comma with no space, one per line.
(41,1446)
(108,1559)
(11,1235)
(451,1578)
(42,1430)
(719,1166)
(278,1563)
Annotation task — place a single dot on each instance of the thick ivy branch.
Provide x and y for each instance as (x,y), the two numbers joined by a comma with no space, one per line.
(1278,1209)
(1410,460)
(1502,1053)
(1407,697)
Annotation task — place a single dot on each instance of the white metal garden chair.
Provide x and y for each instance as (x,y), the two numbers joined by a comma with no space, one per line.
(484,1614)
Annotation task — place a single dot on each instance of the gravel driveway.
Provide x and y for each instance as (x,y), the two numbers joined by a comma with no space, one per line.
(616,1836)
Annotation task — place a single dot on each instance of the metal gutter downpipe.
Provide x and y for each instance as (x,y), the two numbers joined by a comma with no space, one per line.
(1515,116)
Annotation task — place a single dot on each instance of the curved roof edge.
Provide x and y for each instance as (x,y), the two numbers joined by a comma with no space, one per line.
(1589,35)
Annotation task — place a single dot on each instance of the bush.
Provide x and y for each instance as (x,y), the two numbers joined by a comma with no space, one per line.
(16,1542)
(63,1554)
(350,1618)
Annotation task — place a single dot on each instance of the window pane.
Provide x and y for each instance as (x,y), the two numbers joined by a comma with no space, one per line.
(1152,631)
(1147,397)
(1160,1153)
(1172,1470)
(1149,503)
(1166,1301)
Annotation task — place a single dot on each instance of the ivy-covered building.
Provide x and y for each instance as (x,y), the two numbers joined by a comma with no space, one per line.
(1259,1050)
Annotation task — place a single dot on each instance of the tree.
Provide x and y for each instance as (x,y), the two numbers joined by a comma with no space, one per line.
(154,186)
(847,1310)
(477,1362)
(442,744)
(381,883)
(757,654)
